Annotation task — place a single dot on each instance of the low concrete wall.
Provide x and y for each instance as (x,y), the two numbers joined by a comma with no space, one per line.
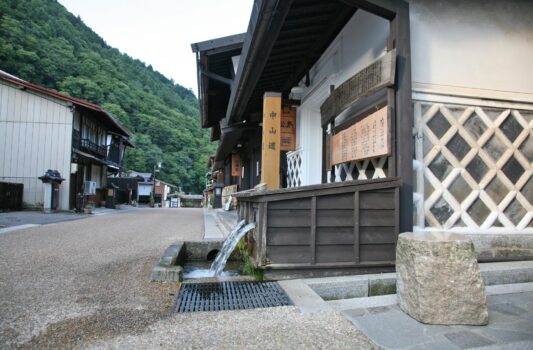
(503,247)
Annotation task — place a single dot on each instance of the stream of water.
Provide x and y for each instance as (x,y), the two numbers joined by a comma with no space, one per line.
(217,267)
(229,245)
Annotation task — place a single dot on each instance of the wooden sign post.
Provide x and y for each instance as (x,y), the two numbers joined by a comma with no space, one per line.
(236,165)
(288,129)
(271,140)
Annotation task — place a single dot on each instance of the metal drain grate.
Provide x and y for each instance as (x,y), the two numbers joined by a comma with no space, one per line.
(229,296)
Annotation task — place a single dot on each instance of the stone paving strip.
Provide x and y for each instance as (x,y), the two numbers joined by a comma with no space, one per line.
(510,322)
(382,321)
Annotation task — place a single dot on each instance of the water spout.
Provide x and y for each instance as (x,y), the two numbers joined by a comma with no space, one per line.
(229,245)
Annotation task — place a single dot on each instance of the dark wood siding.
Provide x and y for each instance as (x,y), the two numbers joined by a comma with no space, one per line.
(353,224)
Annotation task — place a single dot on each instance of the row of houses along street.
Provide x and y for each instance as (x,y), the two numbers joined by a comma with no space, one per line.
(377,154)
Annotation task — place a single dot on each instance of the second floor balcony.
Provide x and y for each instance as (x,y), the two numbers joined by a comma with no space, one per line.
(92,147)
(84,144)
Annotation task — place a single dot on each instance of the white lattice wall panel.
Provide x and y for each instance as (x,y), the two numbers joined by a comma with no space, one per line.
(473,167)
(359,170)
(294,168)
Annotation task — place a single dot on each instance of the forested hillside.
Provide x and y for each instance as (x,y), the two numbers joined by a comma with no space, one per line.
(41,42)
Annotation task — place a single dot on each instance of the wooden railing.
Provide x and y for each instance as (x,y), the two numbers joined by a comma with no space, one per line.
(326,229)
(92,147)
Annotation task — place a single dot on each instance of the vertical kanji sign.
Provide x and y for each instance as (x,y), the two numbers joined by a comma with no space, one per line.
(271,140)
(288,129)
(236,165)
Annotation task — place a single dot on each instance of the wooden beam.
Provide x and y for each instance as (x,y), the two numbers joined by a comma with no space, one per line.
(312,242)
(341,17)
(381,8)
(356,226)
(216,77)
(256,51)
(270,156)
(400,40)
(264,227)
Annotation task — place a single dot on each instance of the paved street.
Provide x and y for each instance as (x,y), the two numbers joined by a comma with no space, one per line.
(84,284)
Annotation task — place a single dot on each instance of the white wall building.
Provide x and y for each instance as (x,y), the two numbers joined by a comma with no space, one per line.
(41,129)
(472,82)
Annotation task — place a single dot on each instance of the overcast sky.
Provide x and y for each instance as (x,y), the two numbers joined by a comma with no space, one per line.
(160,32)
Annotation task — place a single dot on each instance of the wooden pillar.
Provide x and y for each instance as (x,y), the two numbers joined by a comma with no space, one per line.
(400,99)
(270,156)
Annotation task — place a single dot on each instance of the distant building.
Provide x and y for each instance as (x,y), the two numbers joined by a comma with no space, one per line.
(42,129)
(190,200)
(141,186)
(145,186)
(162,192)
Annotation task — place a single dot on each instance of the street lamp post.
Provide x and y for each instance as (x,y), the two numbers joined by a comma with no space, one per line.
(156,168)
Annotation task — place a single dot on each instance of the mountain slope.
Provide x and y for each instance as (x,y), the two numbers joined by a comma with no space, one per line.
(40,41)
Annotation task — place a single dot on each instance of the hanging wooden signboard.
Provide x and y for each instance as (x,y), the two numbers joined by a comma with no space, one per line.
(367,81)
(368,138)
(288,129)
(236,165)
(270,155)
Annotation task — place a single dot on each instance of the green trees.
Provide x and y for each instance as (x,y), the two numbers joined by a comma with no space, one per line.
(43,43)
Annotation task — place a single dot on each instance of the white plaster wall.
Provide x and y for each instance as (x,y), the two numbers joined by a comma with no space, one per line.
(35,135)
(474,44)
(362,40)
(145,189)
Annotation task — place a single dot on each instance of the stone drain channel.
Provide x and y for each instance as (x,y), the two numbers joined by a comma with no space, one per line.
(314,294)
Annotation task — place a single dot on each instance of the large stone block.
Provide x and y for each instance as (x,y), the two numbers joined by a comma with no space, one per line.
(438,279)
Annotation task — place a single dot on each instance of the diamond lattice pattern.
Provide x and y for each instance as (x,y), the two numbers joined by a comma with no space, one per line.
(294,168)
(375,168)
(475,167)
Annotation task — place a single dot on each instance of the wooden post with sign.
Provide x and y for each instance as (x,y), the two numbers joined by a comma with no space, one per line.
(270,156)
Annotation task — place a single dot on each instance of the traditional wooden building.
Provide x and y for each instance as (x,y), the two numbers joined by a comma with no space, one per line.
(42,129)
(408,115)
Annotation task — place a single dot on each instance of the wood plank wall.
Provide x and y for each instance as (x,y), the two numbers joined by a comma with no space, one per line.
(353,227)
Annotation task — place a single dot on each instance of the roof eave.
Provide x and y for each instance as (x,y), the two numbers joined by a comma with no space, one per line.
(264,26)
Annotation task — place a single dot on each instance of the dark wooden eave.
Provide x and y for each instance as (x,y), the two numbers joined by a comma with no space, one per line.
(284,40)
(215,75)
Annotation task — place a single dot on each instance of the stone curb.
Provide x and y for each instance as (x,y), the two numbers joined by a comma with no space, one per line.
(359,286)
(391,299)
(169,267)
(166,274)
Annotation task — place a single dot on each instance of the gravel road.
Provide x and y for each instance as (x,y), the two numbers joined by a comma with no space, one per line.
(64,284)
(84,284)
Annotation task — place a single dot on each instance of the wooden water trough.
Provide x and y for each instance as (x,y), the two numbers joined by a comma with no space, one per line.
(324,230)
